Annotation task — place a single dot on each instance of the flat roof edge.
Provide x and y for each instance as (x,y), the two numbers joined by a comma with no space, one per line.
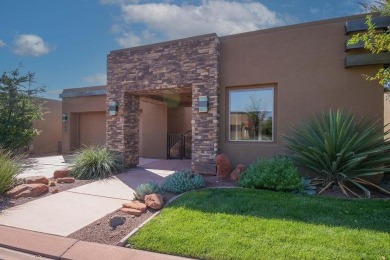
(85,93)
(166,42)
(297,26)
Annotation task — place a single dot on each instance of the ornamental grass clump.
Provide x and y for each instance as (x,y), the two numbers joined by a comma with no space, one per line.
(9,168)
(145,189)
(278,174)
(341,150)
(95,162)
(182,181)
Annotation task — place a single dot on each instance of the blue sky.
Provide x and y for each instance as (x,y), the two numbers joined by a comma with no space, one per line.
(65,42)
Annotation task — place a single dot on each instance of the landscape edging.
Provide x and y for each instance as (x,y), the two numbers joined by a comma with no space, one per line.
(123,241)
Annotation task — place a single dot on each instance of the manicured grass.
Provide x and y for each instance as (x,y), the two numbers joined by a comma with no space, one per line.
(258,224)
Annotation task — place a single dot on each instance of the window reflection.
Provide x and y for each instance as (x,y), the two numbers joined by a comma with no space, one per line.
(251,114)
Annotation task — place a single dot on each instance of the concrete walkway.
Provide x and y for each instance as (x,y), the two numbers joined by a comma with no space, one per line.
(44,166)
(68,211)
(23,244)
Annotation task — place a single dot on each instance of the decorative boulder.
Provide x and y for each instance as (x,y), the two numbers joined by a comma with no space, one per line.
(134,212)
(154,201)
(224,166)
(135,205)
(235,174)
(37,179)
(117,221)
(66,180)
(27,190)
(55,191)
(61,173)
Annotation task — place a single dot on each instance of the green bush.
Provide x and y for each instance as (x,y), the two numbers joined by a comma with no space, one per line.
(341,149)
(95,162)
(9,169)
(275,174)
(145,189)
(183,181)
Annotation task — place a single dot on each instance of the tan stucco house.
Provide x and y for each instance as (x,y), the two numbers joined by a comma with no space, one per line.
(50,129)
(235,94)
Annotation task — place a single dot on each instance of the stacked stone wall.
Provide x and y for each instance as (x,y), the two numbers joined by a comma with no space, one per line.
(183,66)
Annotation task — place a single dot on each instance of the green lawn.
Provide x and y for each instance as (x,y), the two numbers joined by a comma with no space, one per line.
(258,224)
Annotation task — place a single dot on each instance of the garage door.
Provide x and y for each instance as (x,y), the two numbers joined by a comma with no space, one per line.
(92,128)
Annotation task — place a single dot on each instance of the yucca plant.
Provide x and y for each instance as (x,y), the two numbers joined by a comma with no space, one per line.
(95,162)
(9,168)
(342,150)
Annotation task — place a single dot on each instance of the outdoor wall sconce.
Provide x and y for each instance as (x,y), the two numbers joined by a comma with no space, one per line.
(113,108)
(64,117)
(203,104)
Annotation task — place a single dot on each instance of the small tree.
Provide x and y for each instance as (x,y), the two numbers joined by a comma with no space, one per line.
(375,41)
(19,108)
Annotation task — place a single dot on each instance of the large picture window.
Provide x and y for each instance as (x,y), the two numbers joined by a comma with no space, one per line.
(251,114)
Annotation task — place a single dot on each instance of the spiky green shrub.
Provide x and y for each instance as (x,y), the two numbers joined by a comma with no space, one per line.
(95,162)
(308,188)
(275,174)
(145,189)
(182,181)
(341,149)
(9,169)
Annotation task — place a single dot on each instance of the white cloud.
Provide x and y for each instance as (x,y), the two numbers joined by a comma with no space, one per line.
(30,45)
(314,10)
(172,21)
(129,39)
(2,43)
(96,79)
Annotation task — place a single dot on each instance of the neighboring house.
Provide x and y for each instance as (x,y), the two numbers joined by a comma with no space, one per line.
(49,139)
(237,94)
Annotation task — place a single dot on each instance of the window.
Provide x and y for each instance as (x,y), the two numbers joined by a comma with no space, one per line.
(251,114)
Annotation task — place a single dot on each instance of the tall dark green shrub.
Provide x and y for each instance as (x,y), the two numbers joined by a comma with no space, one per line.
(341,149)
(19,108)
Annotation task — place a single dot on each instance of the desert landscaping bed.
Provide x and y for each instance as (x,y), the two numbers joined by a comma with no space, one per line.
(100,231)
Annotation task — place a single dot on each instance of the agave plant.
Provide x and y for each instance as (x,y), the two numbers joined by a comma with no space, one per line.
(342,150)
(145,189)
(308,187)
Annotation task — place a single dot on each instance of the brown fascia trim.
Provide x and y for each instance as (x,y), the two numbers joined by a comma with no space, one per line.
(166,43)
(295,26)
(245,34)
(84,92)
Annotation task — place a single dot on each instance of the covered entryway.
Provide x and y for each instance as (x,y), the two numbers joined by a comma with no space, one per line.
(162,119)
(183,67)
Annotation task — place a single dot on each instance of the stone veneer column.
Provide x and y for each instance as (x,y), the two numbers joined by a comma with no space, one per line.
(123,129)
(165,68)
